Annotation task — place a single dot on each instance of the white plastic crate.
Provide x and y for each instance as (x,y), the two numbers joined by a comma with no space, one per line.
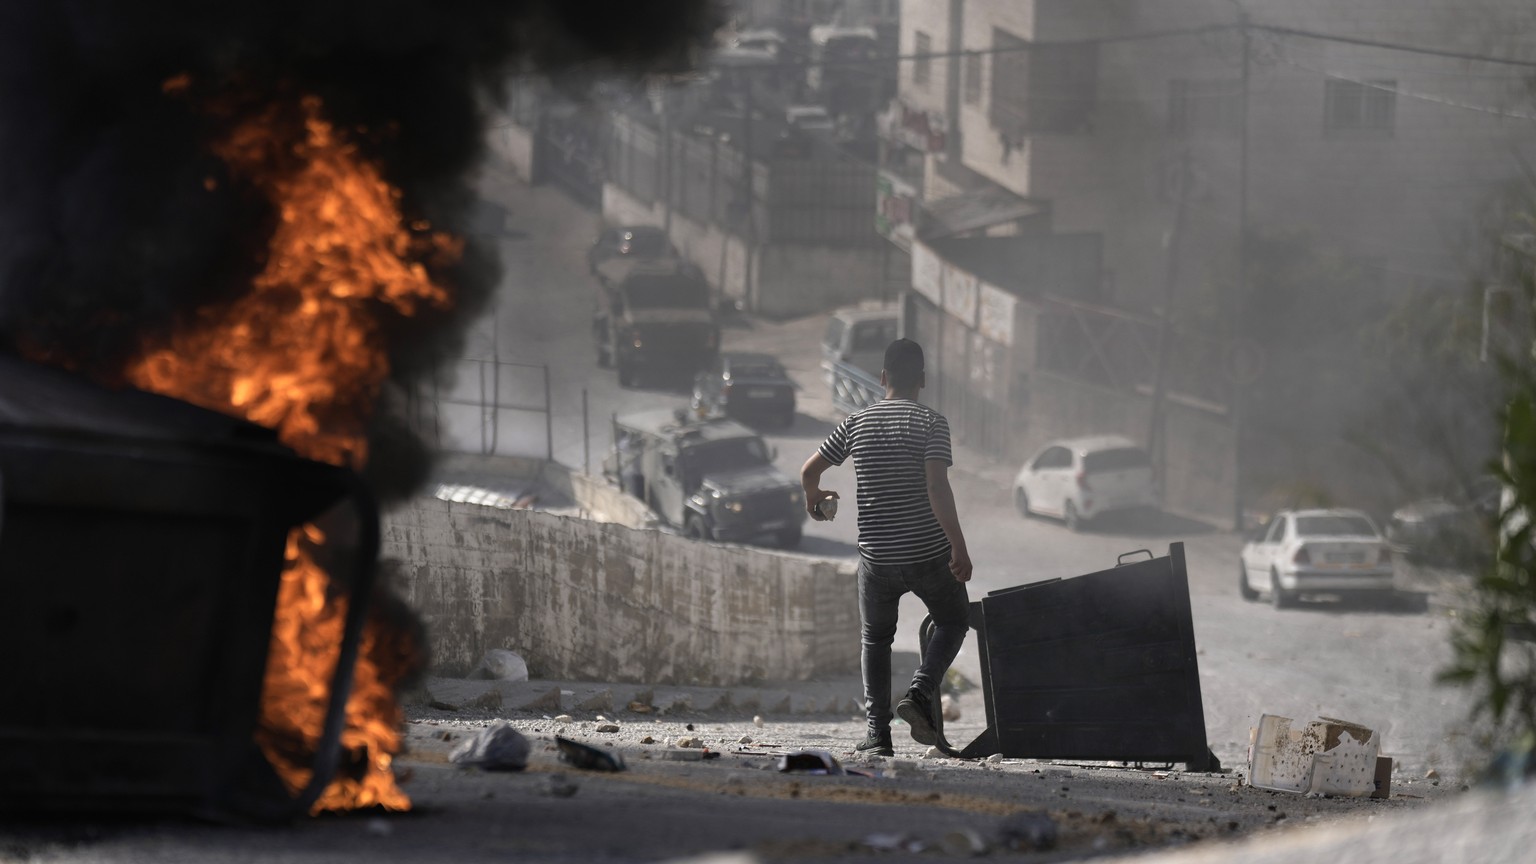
(1325,757)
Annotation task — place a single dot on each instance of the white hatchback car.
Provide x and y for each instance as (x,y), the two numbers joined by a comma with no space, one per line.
(1079,479)
(1315,551)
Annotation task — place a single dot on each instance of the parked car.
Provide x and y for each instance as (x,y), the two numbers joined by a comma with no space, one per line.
(1315,551)
(809,118)
(1447,530)
(637,241)
(1080,479)
(745,387)
(858,336)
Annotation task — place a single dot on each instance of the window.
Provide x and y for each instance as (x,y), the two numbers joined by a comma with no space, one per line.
(1049,88)
(1340,525)
(1056,457)
(1277,531)
(1356,107)
(1208,107)
(922,67)
(1118,459)
(972,79)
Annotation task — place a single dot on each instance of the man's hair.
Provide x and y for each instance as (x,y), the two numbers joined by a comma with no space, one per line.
(903,363)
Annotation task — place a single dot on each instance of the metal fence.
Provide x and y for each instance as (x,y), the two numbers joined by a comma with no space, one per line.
(821,196)
(486,406)
(853,388)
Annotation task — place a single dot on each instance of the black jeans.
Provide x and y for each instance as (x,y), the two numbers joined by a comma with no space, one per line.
(880,589)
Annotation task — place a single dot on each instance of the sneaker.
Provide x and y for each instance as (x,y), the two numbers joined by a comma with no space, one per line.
(876,743)
(918,710)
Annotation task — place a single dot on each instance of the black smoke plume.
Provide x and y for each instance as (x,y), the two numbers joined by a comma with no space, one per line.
(108,230)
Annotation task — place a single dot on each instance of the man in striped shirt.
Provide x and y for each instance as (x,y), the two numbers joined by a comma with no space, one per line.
(909,540)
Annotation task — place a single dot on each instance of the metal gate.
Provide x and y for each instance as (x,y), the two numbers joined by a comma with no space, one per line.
(486,406)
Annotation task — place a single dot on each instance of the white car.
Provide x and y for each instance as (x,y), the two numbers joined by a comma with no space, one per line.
(1315,551)
(809,118)
(1079,479)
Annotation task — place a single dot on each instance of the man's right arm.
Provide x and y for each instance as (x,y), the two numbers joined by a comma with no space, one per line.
(810,481)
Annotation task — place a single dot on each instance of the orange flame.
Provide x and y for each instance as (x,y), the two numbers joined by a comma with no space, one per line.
(302,352)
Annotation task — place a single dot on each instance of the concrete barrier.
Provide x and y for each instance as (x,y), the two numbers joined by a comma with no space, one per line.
(585,600)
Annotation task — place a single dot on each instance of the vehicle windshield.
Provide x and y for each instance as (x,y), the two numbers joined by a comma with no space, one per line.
(756,370)
(1334,526)
(719,457)
(666,292)
(1121,459)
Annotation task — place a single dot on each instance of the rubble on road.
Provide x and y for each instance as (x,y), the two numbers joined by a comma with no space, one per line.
(587,757)
(499,664)
(497,748)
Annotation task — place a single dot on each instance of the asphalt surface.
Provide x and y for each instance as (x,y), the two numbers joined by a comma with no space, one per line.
(1374,665)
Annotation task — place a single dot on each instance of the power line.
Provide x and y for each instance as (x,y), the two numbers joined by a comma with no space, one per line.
(1423,97)
(1394,46)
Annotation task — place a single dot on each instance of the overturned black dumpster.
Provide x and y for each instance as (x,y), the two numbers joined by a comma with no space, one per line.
(1098,667)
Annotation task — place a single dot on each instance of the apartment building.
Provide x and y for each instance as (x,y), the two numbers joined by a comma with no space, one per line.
(1129,120)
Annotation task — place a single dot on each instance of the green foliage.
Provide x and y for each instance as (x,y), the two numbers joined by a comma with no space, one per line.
(1495,655)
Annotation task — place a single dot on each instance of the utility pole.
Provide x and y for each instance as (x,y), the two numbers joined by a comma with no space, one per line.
(1239,297)
(1156,422)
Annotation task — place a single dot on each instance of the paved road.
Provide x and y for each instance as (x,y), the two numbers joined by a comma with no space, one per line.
(1370,664)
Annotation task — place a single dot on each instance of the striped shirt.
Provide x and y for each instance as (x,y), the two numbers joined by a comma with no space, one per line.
(890,442)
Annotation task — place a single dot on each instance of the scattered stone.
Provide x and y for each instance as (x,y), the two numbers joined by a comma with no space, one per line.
(562,786)
(995,757)
(608,727)
(548,702)
(587,757)
(894,843)
(933,753)
(638,707)
(490,700)
(1431,774)
(950,706)
(745,739)
(602,719)
(681,755)
(757,720)
(499,664)
(691,741)
(495,748)
(689,727)
(442,706)
(600,701)
(1028,832)
(564,718)
(380,827)
(966,842)
(644,697)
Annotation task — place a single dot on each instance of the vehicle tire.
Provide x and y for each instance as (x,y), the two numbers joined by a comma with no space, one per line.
(1279,597)
(1021,501)
(626,374)
(1243,587)
(1070,516)
(789,538)
(694,529)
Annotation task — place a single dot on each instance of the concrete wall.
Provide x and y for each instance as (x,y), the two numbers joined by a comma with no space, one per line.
(593,601)
(514,144)
(783,280)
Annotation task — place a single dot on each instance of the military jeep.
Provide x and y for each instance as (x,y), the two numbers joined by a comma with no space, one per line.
(712,479)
